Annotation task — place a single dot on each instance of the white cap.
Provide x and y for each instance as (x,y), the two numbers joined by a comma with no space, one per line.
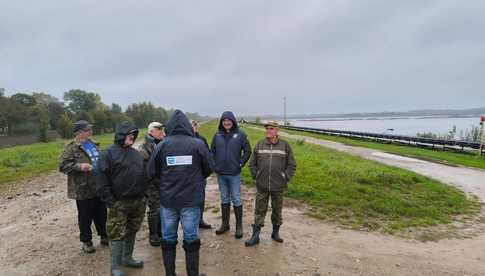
(153,125)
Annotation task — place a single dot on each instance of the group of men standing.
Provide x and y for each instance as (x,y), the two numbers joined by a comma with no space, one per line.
(168,173)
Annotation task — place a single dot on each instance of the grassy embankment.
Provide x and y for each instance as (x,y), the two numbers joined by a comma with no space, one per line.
(467,159)
(363,194)
(21,162)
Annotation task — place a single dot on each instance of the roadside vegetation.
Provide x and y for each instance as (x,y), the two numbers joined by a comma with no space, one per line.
(452,158)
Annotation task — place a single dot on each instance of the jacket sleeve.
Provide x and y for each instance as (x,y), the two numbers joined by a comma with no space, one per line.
(205,142)
(207,161)
(213,146)
(290,163)
(246,147)
(155,164)
(253,163)
(67,161)
(103,182)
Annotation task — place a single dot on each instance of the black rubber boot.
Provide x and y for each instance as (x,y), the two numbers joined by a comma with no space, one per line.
(169,253)
(88,247)
(153,228)
(238,212)
(225,209)
(192,257)
(116,252)
(276,234)
(104,241)
(202,223)
(128,247)
(255,237)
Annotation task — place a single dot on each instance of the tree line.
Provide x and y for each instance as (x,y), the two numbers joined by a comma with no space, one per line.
(39,112)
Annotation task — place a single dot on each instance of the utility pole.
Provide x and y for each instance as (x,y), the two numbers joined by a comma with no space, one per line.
(284,111)
(482,135)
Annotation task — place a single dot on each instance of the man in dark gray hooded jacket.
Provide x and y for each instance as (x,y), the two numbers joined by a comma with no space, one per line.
(231,150)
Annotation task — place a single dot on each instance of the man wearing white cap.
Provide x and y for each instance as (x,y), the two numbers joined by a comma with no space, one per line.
(152,138)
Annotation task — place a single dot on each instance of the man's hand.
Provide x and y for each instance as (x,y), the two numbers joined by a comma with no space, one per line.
(86,167)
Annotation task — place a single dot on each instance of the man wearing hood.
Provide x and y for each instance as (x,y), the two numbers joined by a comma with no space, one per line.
(182,163)
(152,139)
(121,184)
(231,150)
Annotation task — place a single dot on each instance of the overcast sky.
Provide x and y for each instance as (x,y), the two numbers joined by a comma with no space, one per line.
(210,56)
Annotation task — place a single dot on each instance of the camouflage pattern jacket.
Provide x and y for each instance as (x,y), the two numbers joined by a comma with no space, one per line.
(146,149)
(80,185)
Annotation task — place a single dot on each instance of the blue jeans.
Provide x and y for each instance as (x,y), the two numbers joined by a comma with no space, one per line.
(189,217)
(230,188)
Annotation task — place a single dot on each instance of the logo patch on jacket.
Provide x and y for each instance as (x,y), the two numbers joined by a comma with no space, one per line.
(180,160)
(234,136)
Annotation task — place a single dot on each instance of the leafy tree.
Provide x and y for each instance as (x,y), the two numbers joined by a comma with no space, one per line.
(100,121)
(3,110)
(55,108)
(142,113)
(18,113)
(81,101)
(41,120)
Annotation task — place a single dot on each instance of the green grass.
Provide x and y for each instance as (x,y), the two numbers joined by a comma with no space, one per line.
(467,159)
(22,162)
(364,194)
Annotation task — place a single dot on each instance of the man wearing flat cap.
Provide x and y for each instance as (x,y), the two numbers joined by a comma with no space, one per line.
(154,136)
(79,161)
(272,166)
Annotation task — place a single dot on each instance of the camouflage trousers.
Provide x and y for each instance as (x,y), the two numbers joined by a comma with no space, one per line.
(153,202)
(125,218)
(262,199)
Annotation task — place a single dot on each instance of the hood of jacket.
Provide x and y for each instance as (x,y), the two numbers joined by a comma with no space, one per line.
(179,125)
(123,130)
(228,115)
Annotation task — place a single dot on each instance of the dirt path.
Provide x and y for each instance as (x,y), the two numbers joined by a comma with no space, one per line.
(39,236)
(470,180)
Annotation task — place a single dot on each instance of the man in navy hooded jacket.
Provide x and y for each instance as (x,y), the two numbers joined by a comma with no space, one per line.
(231,150)
(182,162)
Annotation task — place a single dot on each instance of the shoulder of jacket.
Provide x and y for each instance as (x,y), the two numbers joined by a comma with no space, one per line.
(70,143)
(96,143)
(261,143)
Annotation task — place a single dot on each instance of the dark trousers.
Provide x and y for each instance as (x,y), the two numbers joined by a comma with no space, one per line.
(89,210)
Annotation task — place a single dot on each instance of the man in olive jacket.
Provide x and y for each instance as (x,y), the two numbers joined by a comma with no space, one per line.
(272,165)
(79,160)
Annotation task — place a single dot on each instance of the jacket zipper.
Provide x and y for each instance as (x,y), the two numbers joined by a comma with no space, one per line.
(270,165)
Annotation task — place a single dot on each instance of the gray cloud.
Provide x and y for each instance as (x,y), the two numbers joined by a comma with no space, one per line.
(208,56)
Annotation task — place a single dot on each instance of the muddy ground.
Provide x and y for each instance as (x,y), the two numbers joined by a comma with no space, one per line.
(39,236)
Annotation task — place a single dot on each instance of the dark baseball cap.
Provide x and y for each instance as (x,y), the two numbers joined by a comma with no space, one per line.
(81,125)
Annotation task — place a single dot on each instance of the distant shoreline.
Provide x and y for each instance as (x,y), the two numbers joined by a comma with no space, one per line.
(377,118)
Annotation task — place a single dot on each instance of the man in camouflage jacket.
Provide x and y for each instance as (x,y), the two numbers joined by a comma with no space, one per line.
(152,138)
(79,161)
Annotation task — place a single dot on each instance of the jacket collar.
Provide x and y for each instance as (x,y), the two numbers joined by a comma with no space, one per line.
(79,144)
(268,142)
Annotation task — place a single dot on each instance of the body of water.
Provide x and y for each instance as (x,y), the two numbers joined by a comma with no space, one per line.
(399,126)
